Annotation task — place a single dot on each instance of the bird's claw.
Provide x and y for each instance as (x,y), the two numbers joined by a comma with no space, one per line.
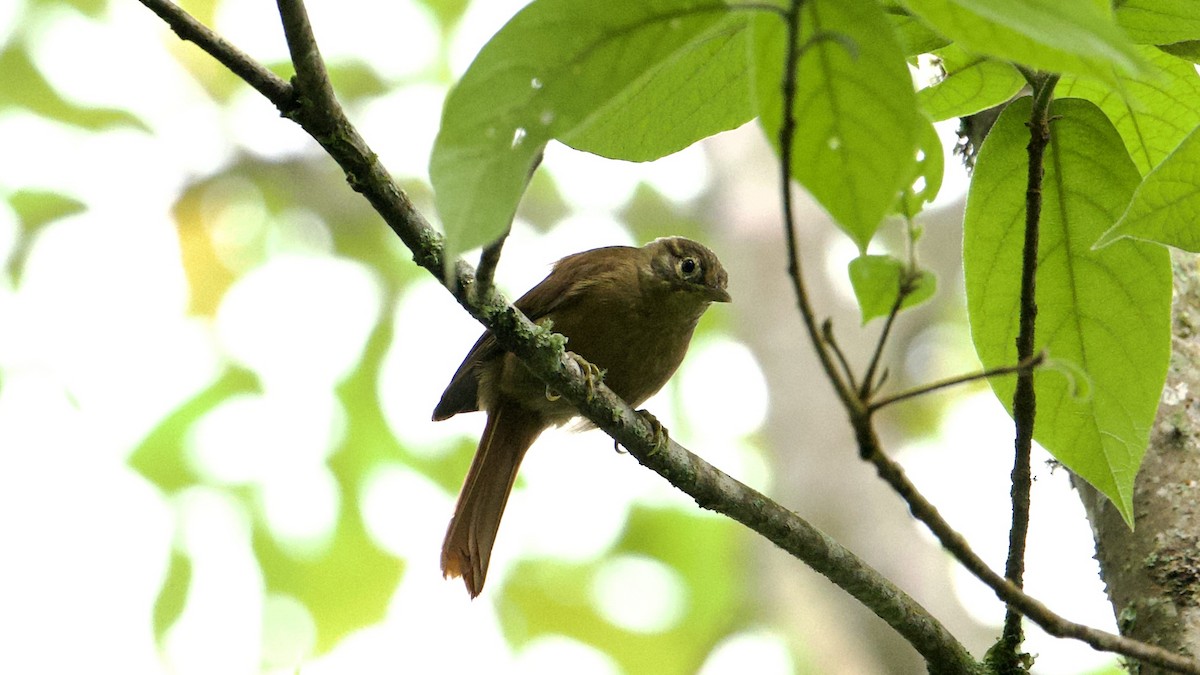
(660,432)
(592,374)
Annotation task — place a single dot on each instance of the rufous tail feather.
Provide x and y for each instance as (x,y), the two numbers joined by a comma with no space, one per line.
(467,548)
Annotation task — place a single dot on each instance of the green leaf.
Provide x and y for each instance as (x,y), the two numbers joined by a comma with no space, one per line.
(1165,207)
(876,280)
(972,83)
(25,87)
(697,92)
(1107,311)
(1152,110)
(172,597)
(1189,51)
(36,208)
(855,111)
(559,66)
(1064,37)
(930,170)
(914,35)
(1160,22)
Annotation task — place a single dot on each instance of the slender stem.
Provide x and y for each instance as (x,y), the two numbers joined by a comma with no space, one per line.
(787,134)
(907,286)
(1008,592)
(489,258)
(1025,398)
(831,340)
(1029,364)
(868,382)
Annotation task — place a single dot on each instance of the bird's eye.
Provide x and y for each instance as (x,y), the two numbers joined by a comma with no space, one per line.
(688,266)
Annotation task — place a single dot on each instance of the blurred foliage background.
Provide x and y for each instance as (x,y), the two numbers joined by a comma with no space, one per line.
(206,337)
(217,368)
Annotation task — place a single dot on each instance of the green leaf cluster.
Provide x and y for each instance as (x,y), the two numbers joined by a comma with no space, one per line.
(637,80)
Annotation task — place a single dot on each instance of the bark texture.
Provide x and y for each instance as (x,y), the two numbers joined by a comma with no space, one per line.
(1153,573)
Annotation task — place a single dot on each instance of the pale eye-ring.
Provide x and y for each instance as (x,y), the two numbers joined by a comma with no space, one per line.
(688,266)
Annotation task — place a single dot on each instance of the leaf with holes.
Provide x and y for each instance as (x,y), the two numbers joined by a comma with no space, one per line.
(972,83)
(578,72)
(856,119)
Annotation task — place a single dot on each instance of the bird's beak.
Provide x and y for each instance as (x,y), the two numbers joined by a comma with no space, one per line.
(719,295)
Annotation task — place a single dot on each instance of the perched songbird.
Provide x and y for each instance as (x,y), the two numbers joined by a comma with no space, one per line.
(628,311)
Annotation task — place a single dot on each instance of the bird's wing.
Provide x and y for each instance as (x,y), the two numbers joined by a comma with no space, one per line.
(565,285)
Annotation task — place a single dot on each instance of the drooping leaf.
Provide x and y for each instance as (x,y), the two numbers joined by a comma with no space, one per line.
(876,280)
(855,111)
(1064,37)
(697,92)
(1108,311)
(1153,110)
(1160,22)
(915,36)
(1166,206)
(559,67)
(972,83)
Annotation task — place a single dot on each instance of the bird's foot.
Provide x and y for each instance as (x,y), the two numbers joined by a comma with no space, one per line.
(592,374)
(661,437)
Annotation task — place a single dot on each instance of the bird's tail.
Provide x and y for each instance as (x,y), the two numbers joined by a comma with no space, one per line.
(510,430)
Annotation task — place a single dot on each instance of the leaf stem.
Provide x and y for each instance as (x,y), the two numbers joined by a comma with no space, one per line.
(1028,364)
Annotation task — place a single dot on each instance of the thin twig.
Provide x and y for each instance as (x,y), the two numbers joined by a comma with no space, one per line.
(1024,406)
(868,382)
(270,85)
(1005,590)
(1031,363)
(787,133)
(312,78)
(831,340)
(489,258)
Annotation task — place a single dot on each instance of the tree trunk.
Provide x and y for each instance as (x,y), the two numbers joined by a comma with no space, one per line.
(1153,573)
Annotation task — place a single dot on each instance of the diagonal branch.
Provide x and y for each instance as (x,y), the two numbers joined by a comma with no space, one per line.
(542,351)
(238,62)
(924,511)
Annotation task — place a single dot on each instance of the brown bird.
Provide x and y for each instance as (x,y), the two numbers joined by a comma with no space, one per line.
(628,311)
